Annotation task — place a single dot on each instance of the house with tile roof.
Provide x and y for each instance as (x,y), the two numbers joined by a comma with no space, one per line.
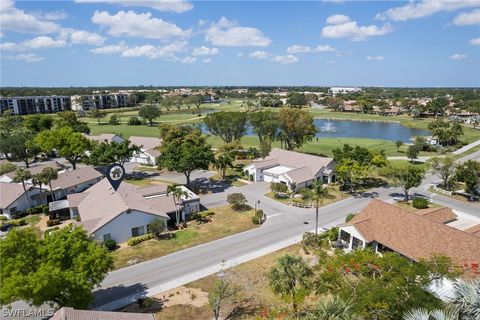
(14,199)
(33,169)
(295,169)
(415,235)
(67,313)
(120,214)
(74,181)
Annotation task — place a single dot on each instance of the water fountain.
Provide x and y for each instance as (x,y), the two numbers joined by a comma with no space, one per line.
(328,128)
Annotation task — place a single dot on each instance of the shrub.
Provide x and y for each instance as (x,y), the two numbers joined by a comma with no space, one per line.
(255,219)
(237,200)
(145,302)
(48,231)
(114,121)
(17,222)
(157,227)
(7,167)
(203,216)
(110,244)
(420,203)
(312,241)
(19,214)
(277,187)
(136,240)
(134,121)
(53,222)
(3,218)
(258,218)
(37,209)
(349,217)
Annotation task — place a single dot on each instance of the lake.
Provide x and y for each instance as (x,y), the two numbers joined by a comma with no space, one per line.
(358,129)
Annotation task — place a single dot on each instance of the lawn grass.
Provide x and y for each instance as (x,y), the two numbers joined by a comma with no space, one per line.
(225,222)
(33,219)
(409,205)
(334,195)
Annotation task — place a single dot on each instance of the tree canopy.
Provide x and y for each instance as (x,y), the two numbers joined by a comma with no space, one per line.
(296,127)
(105,153)
(227,125)
(149,113)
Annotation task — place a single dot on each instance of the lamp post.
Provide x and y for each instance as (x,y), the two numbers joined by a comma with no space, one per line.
(257,202)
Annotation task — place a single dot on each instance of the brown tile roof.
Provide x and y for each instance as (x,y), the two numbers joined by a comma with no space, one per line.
(103,204)
(413,235)
(75,177)
(66,313)
(9,192)
(475,230)
(441,215)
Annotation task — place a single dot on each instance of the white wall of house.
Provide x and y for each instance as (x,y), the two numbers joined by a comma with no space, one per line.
(143,158)
(21,204)
(120,228)
(353,233)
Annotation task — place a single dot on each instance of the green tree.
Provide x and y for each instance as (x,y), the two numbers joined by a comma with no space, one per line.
(20,145)
(296,99)
(69,144)
(332,308)
(39,180)
(406,178)
(265,148)
(70,119)
(114,120)
(444,168)
(222,163)
(290,279)
(237,200)
(412,152)
(469,173)
(229,126)
(277,187)
(196,100)
(50,174)
(149,113)
(177,193)
(106,153)
(63,268)
(157,227)
(22,175)
(437,106)
(38,122)
(7,167)
(265,124)
(296,127)
(398,144)
(184,149)
(97,114)
(317,194)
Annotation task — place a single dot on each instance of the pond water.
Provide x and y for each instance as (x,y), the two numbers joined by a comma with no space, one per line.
(358,129)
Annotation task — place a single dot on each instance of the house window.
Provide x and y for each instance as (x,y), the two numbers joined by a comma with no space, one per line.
(356,243)
(106,237)
(138,231)
(344,236)
(13,209)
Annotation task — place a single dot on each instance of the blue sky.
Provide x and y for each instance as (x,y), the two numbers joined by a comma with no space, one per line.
(157,42)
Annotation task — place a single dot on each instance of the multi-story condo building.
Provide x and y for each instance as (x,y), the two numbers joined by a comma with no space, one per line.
(35,104)
(101,101)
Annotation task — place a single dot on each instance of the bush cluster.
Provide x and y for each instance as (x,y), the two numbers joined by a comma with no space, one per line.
(53,222)
(136,240)
(110,244)
(349,217)
(258,218)
(203,216)
(420,203)
(48,231)
(134,121)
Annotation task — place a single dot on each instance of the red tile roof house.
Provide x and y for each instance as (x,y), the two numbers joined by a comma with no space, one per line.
(127,212)
(295,169)
(415,235)
(148,146)
(66,313)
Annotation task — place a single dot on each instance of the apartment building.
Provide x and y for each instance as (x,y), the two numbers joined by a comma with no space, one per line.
(101,101)
(35,104)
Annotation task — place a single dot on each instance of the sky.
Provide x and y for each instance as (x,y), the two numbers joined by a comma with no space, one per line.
(423,43)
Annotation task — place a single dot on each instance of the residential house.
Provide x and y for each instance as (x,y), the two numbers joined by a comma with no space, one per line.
(414,235)
(34,169)
(120,214)
(294,169)
(67,313)
(74,181)
(14,199)
(104,137)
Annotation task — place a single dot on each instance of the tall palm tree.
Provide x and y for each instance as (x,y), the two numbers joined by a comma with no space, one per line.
(223,162)
(177,194)
(22,175)
(332,308)
(50,174)
(39,180)
(318,193)
(290,279)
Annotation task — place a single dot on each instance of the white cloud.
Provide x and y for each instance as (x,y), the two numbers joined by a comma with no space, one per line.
(155,52)
(17,20)
(111,49)
(475,42)
(27,57)
(458,57)
(337,19)
(208,60)
(285,59)
(50,15)
(86,37)
(307,49)
(467,18)
(258,54)
(41,42)
(350,29)
(230,34)
(177,6)
(137,25)
(375,58)
(189,60)
(204,51)
(425,8)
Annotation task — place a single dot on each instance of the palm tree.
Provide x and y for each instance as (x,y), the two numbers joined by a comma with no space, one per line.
(39,180)
(222,163)
(318,193)
(22,175)
(332,308)
(177,194)
(290,279)
(466,300)
(50,174)
(424,314)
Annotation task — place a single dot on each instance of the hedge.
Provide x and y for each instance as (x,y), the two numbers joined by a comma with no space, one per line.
(110,244)
(136,240)
(420,203)
(53,222)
